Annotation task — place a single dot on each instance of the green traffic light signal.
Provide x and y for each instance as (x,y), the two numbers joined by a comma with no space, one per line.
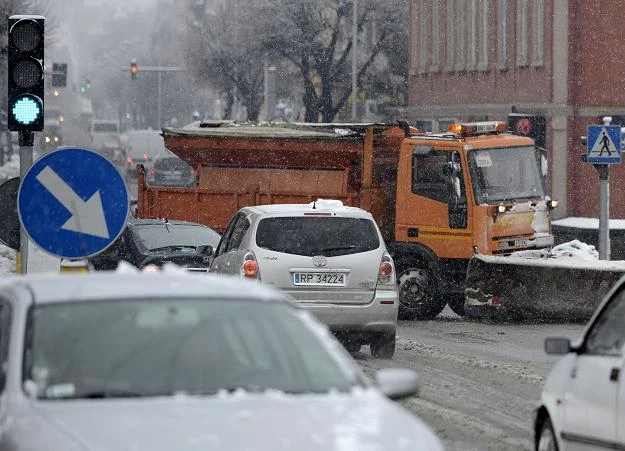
(88,84)
(82,89)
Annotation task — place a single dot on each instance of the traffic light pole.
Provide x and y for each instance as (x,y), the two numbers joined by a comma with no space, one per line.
(26,142)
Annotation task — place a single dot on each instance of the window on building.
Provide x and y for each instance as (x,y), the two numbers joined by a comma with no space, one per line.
(484,39)
(538,32)
(414,35)
(521,33)
(451,34)
(461,24)
(423,37)
(473,36)
(502,34)
(436,36)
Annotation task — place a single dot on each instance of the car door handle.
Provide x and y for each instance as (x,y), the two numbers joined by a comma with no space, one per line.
(614,374)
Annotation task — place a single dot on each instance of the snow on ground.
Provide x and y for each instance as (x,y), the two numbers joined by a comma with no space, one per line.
(587,223)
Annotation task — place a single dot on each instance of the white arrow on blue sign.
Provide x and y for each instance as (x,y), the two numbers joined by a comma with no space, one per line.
(603,144)
(73,203)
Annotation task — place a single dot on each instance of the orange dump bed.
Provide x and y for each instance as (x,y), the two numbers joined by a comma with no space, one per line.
(255,164)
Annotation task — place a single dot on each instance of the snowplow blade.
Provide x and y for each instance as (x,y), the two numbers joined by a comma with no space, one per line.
(541,290)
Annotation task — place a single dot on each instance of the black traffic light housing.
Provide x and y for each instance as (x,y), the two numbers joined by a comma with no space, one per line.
(25,78)
(532,125)
(59,75)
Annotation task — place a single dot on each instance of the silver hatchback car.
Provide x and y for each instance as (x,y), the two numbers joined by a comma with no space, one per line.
(331,259)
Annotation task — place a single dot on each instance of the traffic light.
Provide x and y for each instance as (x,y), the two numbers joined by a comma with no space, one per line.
(532,125)
(59,75)
(25,77)
(133,69)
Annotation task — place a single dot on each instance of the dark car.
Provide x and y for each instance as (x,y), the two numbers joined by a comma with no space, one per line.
(171,171)
(157,241)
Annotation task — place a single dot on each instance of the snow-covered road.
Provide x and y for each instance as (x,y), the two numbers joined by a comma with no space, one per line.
(479,382)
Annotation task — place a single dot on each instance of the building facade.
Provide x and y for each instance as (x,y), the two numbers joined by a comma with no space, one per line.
(562,59)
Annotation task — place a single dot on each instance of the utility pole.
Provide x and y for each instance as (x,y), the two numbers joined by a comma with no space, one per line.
(354,59)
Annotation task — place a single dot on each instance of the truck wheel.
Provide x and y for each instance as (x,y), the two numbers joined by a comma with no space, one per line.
(418,294)
(455,302)
(383,346)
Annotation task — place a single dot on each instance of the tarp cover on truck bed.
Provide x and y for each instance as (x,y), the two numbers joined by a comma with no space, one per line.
(270,145)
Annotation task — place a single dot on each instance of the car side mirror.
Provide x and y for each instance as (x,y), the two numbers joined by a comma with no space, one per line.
(397,383)
(205,249)
(557,345)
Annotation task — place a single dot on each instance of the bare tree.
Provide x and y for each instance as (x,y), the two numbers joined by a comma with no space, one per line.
(316,37)
(225,51)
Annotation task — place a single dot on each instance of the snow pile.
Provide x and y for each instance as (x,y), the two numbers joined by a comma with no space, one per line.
(572,249)
(576,249)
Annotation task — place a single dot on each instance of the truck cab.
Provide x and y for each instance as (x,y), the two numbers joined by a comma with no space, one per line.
(474,189)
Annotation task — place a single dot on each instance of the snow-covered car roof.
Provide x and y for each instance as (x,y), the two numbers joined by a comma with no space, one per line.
(130,283)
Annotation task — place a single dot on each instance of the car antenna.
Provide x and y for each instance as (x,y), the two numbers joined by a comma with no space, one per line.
(314,205)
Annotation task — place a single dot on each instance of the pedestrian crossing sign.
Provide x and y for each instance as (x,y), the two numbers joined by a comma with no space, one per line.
(603,144)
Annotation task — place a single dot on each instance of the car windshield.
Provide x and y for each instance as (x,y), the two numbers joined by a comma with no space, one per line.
(165,235)
(506,174)
(154,347)
(317,235)
(171,164)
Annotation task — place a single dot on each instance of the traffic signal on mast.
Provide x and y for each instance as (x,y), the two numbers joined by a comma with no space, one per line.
(133,69)
(532,125)
(25,73)
(59,75)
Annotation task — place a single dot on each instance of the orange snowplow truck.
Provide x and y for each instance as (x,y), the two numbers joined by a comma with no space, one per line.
(437,198)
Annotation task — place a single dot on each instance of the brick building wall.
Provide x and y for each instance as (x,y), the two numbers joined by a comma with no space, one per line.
(477,59)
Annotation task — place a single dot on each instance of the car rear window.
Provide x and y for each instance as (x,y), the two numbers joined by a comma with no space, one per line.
(105,128)
(309,236)
(162,236)
(171,164)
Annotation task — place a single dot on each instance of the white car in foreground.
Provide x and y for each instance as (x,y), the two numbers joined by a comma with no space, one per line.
(173,361)
(583,401)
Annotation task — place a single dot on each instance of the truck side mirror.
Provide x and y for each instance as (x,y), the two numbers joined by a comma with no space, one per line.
(451,168)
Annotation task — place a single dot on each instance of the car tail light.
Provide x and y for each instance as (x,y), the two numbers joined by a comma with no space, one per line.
(145,156)
(128,160)
(249,267)
(386,273)
(193,172)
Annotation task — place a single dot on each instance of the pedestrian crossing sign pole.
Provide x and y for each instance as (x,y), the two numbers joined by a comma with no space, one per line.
(604,149)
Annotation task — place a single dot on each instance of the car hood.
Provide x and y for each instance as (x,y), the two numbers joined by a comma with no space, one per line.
(239,421)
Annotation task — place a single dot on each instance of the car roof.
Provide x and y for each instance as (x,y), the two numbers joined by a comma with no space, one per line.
(129,283)
(162,221)
(320,206)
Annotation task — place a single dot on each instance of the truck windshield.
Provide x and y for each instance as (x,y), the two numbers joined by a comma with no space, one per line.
(503,174)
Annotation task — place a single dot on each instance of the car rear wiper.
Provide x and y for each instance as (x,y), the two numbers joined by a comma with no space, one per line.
(178,246)
(337,248)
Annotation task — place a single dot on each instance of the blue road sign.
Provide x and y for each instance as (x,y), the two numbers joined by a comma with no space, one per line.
(603,144)
(73,203)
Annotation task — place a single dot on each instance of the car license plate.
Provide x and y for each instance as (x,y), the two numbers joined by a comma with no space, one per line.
(319,279)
